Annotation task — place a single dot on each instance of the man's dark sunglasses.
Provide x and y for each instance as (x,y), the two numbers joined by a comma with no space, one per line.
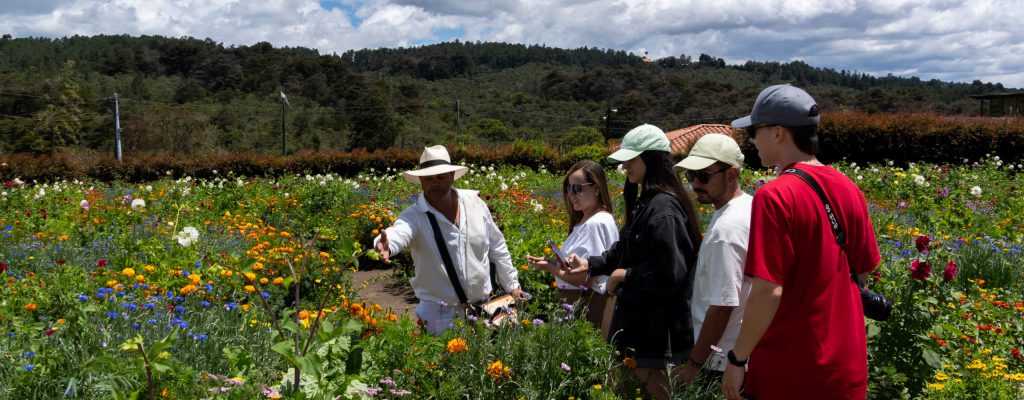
(752,130)
(576,188)
(703,176)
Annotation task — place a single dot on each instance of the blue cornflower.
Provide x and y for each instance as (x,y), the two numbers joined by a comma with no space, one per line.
(231,306)
(30,354)
(136,325)
(209,287)
(112,314)
(204,304)
(179,309)
(185,273)
(29,367)
(265,295)
(151,322)
(183,324)
(199,264)
(83,297)
(131,306)
(149,306)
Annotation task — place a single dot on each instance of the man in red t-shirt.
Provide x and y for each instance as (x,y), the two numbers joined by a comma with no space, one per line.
(803,328)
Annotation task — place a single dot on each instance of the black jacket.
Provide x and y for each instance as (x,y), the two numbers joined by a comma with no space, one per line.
(653,306)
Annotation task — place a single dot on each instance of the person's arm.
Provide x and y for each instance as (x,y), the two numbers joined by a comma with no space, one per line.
(498,253)
(757,316)
(397,236)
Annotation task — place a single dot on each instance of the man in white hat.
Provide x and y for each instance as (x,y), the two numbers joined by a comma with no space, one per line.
(719,289)
(471,240)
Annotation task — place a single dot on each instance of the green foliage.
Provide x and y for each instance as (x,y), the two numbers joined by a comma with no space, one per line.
(582,136)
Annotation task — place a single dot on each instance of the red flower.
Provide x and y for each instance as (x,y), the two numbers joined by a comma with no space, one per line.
(922,243)
(3,267)
(101,263)
(950,272)
(1015,353)
(920,270)
(50,332)
(61,261)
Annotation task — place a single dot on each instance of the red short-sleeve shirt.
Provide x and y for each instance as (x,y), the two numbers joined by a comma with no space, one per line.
(816,345)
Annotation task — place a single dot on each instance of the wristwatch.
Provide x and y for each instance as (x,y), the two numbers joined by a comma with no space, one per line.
(734,361)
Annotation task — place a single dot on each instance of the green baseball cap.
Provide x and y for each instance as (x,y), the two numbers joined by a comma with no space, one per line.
(642,138)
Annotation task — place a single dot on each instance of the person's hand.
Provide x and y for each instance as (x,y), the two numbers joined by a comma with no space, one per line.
(615,279)
(577,264)
(732,382)
(518,293)
(382,247)
(687,373)
(539,263)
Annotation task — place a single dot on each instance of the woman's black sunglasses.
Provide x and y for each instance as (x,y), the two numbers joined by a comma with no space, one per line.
(576,188)
(703,176)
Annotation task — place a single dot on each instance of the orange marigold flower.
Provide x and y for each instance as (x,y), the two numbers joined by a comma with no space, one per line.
(250,276)
(128,272)
(250,288)
(457,345)
(30,307)
(629,362)
(498,371)
(149,268)
(303,314)
(279,280)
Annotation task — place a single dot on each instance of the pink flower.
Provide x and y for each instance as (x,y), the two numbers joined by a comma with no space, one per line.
(920,270)
(950,272)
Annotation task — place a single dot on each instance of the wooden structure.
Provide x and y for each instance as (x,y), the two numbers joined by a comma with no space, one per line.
(999,104)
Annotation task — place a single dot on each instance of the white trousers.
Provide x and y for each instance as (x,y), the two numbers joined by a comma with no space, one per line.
(436,317)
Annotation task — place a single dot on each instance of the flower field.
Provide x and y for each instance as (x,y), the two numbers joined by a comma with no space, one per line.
(240,287)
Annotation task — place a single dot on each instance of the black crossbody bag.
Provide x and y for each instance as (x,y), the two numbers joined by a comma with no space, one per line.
(496,308)
(876,306)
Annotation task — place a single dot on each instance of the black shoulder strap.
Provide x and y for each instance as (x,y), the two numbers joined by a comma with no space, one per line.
(446,258)
(832,220)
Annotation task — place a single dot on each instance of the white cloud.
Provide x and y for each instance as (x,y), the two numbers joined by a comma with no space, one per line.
(942,39)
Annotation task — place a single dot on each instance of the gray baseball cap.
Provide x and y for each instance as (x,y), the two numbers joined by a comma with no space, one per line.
(782,105)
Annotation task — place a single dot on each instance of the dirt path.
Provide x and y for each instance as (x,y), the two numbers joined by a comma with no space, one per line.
(372,288)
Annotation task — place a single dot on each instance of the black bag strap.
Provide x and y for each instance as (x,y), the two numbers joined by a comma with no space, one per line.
(446,258)
(833,221)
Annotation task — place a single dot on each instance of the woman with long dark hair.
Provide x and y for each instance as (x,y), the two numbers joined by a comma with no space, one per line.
(592,230)
(651,266)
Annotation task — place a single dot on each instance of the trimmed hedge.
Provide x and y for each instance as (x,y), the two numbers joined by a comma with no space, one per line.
(854,136)
(911,137)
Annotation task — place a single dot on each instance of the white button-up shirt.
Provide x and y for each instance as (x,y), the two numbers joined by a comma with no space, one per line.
(473,245)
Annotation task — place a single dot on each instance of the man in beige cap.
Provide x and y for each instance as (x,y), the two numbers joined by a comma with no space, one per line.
(719,290)
(453,271)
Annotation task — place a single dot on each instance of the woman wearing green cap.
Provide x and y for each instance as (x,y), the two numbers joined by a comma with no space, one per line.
(650,267)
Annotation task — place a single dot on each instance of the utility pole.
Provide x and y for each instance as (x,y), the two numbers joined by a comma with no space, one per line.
(117,129)
(458,121)
(284,104)
(608,122)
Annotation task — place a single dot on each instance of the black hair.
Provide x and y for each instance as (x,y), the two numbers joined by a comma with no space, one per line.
(660,177)
(805,138)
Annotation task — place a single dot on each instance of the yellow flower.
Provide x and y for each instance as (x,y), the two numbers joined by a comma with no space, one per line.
(941,376)
(279,280)
(935,386)
(250,276)
(250,288)
(263,281)
(150,268)
(128,272)
(457,345)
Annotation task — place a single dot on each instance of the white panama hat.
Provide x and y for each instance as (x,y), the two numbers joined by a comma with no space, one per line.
(434,161)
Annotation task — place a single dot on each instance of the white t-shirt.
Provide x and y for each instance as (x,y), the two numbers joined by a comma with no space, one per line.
(590,238)
(719,279)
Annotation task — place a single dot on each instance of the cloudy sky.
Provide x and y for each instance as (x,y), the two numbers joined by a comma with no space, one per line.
(951,40)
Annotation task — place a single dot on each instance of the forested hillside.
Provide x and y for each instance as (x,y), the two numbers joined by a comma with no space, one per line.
(193,96)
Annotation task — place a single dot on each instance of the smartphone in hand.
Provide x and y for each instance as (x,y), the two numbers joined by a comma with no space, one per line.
(560,256)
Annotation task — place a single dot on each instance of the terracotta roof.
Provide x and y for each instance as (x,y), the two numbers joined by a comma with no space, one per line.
(682,139)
